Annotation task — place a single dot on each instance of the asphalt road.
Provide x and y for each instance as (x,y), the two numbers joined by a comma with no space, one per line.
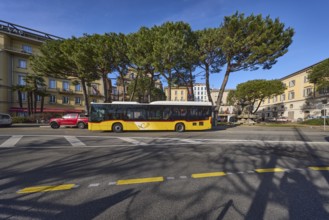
(229,173)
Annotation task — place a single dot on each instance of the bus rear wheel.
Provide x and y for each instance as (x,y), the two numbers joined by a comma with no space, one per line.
(180,127)
(117,128)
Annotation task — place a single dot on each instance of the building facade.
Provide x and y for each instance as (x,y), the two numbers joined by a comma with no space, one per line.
(299,101)
(17,45)
(200,92)
(178,93)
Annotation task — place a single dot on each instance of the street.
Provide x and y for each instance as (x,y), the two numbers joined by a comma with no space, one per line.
(244,172)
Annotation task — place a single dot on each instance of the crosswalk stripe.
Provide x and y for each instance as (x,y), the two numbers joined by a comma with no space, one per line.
(133,141)
(12,141)
(74,141)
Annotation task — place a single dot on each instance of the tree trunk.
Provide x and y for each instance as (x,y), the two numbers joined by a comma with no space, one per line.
(207,85)
(42,103)
(169,85)
(105,87)
(85,95)
(135,86)
(20,98)
(222,88)
(191,87)
(109,89)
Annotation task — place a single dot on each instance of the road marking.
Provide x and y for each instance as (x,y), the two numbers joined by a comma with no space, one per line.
(170,178)
(190,141)
(203,175)
(269,170)
(131,140)
(140,180)
(319,168)
(183,177)
(46,188)
(74,141)
(12,141)
(93,185)
(112,183)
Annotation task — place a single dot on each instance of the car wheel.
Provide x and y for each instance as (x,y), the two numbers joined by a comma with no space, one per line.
(117,127)
(180,127)
(81,125)
(54,125)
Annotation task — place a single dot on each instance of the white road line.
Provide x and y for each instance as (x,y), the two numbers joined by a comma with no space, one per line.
(183,177)
(131,140)
(93,185)
(190,141)
(170,178)
(112,183)
(74,141)
(12,141)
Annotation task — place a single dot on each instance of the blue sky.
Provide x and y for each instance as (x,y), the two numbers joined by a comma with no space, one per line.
(67,18)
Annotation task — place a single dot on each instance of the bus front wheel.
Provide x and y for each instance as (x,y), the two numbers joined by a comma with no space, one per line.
(180,127)
(117,127)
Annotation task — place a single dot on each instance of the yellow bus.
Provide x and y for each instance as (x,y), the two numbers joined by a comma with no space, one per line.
(154,116)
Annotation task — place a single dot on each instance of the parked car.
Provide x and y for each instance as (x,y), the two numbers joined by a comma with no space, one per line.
(72,119)
(5,120)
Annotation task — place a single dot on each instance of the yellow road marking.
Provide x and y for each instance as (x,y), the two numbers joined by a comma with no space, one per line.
(46,188)
(319,168)
(140,180)
(269,170)
(203,175)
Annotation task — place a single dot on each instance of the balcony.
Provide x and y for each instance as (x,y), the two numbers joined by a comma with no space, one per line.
(65,91)
(17,51)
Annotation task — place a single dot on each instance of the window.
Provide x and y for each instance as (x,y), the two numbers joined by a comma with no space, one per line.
(307,92)
(282,97)
(22,64)
(291,106)
(23,96)
(78,87)
(38,98)
(175,92)
(305,79)
(66,86)
(77,100)
(94,90)
(268,100)
(275,98)
(52,84)
(291,95)
(21,80)
(324,91)
(182,92)
(65,100)
(292,83)
(27,48)
(52,99)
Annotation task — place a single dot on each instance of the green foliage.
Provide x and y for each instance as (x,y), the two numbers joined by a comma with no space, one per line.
(318,121)
(319,75)
(252,42)
(248,93)
(172,40)
(21,120)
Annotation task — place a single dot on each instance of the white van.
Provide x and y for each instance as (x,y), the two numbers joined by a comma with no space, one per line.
(5,120)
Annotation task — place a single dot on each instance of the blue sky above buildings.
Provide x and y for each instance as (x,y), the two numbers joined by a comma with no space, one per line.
(73,18)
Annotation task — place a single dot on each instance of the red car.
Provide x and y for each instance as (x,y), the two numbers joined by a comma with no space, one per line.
(72,119)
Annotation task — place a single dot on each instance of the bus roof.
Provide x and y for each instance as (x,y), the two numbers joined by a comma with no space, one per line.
(188,103)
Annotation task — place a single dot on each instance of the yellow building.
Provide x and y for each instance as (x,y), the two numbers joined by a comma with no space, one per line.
(298,102)
(178,93)
(17,45)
